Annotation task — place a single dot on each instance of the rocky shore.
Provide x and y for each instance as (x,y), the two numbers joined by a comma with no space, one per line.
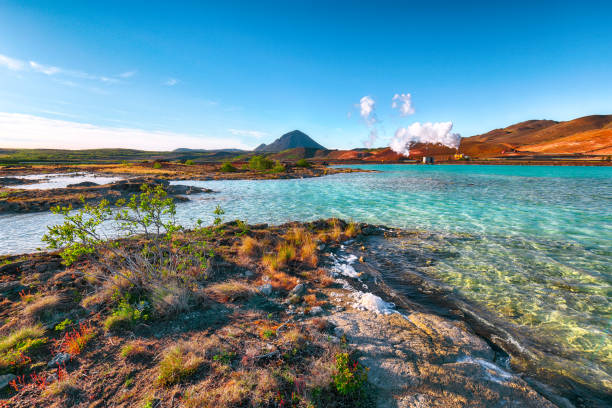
(176,171)
(260,334)
(32,200)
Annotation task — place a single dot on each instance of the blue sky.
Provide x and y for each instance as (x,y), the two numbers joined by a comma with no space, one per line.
(160,75)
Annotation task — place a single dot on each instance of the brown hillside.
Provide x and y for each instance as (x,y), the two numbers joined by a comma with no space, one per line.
(542,135)
(590,142)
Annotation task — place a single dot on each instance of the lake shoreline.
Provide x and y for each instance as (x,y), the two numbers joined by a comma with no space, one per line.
(456,353)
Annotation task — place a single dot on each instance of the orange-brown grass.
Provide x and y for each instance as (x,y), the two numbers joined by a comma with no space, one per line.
(282,281)
(249,247)
(230,291)
(324,237)
(308,252)
(336,232)
(285,253)
(324,279)
(352,230)
(297,236)
(311,300)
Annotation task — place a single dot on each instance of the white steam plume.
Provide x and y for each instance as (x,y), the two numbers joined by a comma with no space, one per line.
(434,133)
(369,143)
(366,110)
(403,102)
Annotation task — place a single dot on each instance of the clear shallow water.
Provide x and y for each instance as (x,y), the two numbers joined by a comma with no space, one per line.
(537,250)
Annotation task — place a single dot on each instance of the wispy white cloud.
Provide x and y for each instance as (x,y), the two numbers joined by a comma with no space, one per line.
(250,133)
(403,102)
(51,70)
(127,74)
(171,82)
(11,63)
(28,131)
(44,69)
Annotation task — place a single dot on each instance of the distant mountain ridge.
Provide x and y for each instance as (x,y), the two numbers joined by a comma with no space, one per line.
(290,140)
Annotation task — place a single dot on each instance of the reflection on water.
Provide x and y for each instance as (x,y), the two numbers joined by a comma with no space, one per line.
(60,180)
(536,247)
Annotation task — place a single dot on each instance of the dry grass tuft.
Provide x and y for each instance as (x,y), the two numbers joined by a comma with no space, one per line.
(66,387)
(308,251)
(249,247)
(336,231)
(19,336)
(134,350)
(352,230)
(282,281)
(44,307)
(230,291)
(297,236)
(285,253)
(178,364)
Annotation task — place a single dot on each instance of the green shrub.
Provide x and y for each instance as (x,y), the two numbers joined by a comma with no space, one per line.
(278,167)
(260,163)
(350,377)
(157,165)
(189,162)
(126,315)
(228,168)
(63,325)
(303,163)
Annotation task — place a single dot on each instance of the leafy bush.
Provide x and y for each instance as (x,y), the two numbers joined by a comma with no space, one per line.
(260,163)
(303,163)
(158,260)
(189,162)
(157,165)
(228,168)
(350,377)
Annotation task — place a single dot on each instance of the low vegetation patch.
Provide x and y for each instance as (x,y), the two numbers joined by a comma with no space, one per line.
(178,364)
(228,168)
(234,342)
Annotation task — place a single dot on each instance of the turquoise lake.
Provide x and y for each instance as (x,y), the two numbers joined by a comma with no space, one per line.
(539,254)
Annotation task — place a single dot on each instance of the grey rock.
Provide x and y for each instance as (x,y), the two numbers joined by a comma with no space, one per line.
(338,332)
(11,289)
(59,360)
(248,274)
(298,290)
(265,289)
(6,379)
(317,310)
